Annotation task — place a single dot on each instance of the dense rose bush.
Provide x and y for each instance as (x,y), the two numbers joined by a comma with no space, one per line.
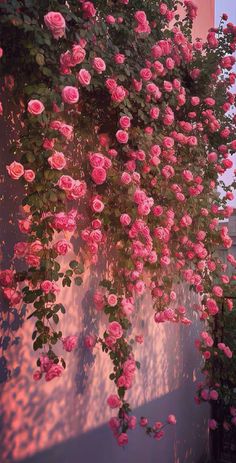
(147,109)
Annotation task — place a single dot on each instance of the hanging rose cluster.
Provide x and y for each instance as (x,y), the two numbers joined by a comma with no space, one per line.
(126,128)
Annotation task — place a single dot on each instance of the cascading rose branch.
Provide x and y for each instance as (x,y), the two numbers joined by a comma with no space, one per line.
(147,109)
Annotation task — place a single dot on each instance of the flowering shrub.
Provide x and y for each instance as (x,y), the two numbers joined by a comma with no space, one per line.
(122,112)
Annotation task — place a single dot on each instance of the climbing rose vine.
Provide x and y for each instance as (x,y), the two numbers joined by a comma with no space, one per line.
(125,130)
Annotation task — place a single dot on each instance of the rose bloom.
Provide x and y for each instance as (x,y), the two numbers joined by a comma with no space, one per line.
(99,175)
(88,9)
(122,136)
(125,219)
(54,372)
(78,55)
(13,296)
(97,205)
(90,341)
(15,170)
(57,160)
(112,300)
(29,175)
(124,122)
(56,23)
(69,343)
(37,375)
(84,77)
(35,107)
(62,247)
(66,182)
(46,286)
(99,65)
(115,330)
(114,401)
(171,419)
(6,277)
(118,94)
(70,95)
(122,439)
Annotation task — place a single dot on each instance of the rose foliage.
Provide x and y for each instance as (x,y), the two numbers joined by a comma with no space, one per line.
(125,130)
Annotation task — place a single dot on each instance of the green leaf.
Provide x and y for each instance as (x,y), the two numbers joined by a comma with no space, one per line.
(78,281)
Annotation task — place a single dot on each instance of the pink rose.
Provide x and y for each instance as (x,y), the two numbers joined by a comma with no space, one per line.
(112,300)
(15,170)
(69,343)
(62,247)
(46,286)
(122,439)
(29,175)
(99,65)
(13,296)
(57,160)
(122,136)
(171,419)
(154,112)
(99,175)
(140,17)
(143,421)
(84,77)
(66,182)
(125,219)
(6,277)
(54,372)
(55,22)
(35,107)
(37,375)
(90,341)
(97,205)
(212,424)
(1,109)
(115,330)
(118,94)
(97,160)
(70,95)
(119,58)
(88,9)
(114,401)
(124,122)
(78,54)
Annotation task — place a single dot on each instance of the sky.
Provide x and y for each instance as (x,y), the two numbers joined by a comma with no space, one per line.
(229,7)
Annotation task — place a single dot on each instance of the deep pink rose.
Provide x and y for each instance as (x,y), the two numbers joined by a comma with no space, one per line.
(56,23)
(37,375)
(99,175)
(66,182)
(15,170)
(90,341)
(54,372)
(125,122)
(46,286)
(122,136)
(122,439)
(114,401)
(35,107)
(70,95)
(69,343)
(115,330)
(6,277)
(88,9)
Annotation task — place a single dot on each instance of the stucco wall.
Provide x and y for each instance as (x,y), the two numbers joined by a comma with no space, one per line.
(65,421)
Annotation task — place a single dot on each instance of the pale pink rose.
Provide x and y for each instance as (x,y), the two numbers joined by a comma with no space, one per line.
(57,160)
(70,95)
(114,401)
(115,330)
(90,341)
(56,23)
(15,170)
(112,300)
(37,375)
(35,107)
(99,175)
(69,343)
(125,122)
(54,372)
(84,77)
(67,131)
(99,65)
(66,182)
(29,175)
(78,191)
(122,136)
(62,247)
(171,419)
(46,286)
